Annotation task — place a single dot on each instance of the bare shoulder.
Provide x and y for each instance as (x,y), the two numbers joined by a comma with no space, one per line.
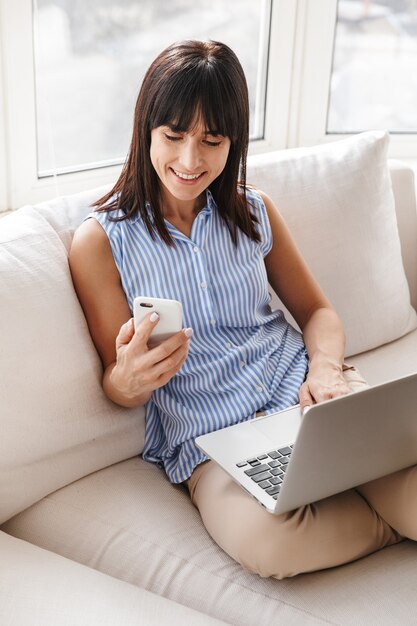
(91,253)
(89,238)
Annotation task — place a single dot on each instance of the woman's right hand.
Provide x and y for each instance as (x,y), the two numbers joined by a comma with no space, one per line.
(138,370)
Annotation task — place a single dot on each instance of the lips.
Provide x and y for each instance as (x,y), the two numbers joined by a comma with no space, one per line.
(188,178)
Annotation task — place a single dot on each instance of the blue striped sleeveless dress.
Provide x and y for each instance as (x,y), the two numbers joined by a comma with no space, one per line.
(243,357)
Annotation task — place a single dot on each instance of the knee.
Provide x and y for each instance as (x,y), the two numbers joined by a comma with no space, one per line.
(275,550)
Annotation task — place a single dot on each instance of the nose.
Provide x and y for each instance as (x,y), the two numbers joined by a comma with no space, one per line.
(190,157)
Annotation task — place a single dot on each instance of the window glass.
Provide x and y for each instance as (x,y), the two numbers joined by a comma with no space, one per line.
(374,77)
(91,57)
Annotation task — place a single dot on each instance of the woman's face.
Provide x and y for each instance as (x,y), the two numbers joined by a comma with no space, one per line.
(187,162)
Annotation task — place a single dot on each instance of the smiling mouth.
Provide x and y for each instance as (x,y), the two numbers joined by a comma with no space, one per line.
(189,177)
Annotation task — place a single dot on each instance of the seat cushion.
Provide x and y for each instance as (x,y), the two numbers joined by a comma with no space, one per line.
(43,589)
(56,424)
(130,522)
(392,360)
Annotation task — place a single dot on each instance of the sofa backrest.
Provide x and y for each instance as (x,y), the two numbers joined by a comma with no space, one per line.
(65,213)
(338,202)
(403,185)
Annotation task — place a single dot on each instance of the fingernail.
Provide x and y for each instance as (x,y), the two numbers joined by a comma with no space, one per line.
(154,317)
(188,332)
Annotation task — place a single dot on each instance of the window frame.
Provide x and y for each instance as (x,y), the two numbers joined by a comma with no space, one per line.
(3,137)
(298,79)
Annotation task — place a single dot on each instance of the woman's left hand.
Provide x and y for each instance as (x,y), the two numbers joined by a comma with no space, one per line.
(323,382)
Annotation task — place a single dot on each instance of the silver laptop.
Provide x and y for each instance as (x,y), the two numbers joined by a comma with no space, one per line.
(285,460)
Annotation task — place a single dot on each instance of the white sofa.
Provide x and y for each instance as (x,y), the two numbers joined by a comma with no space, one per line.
(92,534)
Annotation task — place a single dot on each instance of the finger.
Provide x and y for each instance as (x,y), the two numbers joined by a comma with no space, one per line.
(166,375)
(143,331)
(328,393)
(167,347)
(171,362)
(126,333)
(341,390)
(306,399)
(166,350)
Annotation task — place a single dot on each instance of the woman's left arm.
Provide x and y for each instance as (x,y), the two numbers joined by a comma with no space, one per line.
(322,329)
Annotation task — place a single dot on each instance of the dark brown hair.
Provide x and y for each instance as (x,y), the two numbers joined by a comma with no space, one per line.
(188,79)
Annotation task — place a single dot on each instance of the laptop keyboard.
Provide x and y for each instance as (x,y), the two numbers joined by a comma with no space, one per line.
(268,470)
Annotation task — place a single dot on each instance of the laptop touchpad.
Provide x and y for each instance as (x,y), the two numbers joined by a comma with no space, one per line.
(279,427)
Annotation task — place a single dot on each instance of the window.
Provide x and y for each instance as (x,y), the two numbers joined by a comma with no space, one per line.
(70,72)
(89,65)
(374,78)
(355,70)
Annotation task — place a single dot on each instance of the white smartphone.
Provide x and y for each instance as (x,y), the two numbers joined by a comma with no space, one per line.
(170,317)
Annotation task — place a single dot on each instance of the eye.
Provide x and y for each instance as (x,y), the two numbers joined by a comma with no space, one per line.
(172,137)
(212,144)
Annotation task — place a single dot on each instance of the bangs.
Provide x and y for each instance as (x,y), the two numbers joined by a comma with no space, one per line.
(193,97)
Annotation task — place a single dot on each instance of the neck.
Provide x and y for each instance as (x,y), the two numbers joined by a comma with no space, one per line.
(181,209)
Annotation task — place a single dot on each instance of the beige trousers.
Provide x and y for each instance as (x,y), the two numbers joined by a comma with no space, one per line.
(324,534)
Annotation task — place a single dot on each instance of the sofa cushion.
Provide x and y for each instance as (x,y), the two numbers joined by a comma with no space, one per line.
(56,424)
(403,186)
(129,521)
(43,589)
(392,360)
(337,200)
(65,213)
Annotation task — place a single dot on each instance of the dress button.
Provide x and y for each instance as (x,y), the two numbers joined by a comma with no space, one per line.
(212,321)
(195,249)
(260,389)
(242,364)
(228,345)
(203,285)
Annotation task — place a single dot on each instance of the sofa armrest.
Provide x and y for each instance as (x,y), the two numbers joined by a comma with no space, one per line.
(41,588)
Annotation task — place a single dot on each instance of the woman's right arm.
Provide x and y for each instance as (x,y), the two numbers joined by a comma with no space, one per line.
(131,371)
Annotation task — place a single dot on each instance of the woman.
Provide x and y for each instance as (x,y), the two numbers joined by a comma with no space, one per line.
(180,223)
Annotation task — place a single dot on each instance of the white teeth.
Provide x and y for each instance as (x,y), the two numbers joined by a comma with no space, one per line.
(186,176)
